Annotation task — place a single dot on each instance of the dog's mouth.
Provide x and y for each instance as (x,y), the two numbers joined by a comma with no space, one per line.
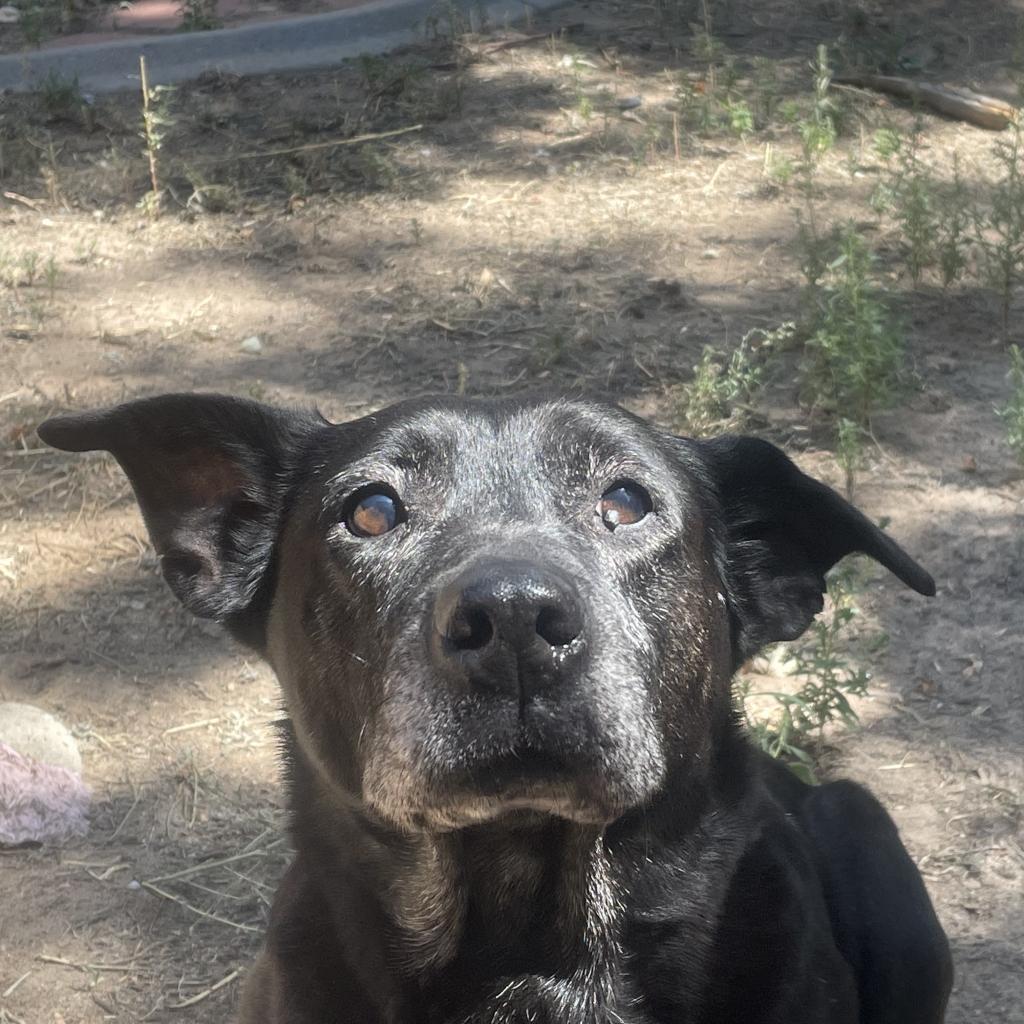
(524,765)
(527,777)
(589,752)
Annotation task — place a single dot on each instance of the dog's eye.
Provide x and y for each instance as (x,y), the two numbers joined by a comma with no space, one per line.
(373,513)
(623,505)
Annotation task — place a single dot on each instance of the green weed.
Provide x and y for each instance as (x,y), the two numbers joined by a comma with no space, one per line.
(50,274)
(85,252)
(829,677)
(158,119)
(819,132)
(446,22)
(849,451)
(1000,227)
(60,96)
(549,350)
(39,21)
(199,15)
(1012,414)
(953,228)
(855,351)
(817,136)
(386,80)
(910,194)
(886,143)
(934,218)
(766,89)
(722,388)
(715,102)
(740,116)
(29,267)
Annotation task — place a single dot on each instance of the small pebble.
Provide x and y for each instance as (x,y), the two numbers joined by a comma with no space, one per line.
(252,345)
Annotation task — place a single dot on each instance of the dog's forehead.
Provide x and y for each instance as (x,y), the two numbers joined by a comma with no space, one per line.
(505,442)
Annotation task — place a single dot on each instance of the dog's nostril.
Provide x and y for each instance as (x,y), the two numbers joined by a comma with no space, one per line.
(470,630)
(557,627)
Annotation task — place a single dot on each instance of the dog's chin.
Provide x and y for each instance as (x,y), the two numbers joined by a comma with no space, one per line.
(516,806)
(517,788)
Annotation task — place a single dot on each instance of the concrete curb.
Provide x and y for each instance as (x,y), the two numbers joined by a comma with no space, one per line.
(292,44)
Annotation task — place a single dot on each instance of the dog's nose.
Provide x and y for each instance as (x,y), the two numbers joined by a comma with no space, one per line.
(508,627)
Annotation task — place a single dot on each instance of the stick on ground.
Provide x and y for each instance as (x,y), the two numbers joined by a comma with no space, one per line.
(959,103)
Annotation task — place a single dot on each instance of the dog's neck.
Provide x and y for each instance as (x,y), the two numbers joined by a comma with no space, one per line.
(512,921)
(503,922)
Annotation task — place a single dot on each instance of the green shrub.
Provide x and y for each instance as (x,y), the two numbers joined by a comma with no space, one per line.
(723,386)
(1000,226)
(1012,413)
(855,350)
(829,676)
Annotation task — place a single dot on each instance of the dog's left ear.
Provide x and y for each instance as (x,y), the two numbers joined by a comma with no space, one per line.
(783,531)
(211,474)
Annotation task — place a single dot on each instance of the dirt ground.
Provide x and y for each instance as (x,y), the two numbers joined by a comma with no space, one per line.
(535,226)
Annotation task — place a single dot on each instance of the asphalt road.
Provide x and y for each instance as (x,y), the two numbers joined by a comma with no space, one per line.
(293,44)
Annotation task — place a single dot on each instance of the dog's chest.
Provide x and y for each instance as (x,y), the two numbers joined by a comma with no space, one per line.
(533,999)
(540,942)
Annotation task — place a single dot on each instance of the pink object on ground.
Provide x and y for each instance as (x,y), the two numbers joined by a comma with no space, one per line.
(39,803)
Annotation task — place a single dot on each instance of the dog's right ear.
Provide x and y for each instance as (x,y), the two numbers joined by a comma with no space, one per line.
(211,474)
(781,533)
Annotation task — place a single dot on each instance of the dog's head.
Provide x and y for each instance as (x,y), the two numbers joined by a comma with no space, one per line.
(477,607)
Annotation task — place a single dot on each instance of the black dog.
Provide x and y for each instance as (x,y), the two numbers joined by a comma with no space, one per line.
(520,794)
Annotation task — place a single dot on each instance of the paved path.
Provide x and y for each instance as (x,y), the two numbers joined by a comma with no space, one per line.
(292,44)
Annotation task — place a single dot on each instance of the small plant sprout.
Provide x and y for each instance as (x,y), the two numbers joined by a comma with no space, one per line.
(766,89)
(741,118)
(30,267)
(1012,414)
(778,170)
(156,118)
(50,275)
(704,45)
(886,143)
(818,133)
(849,452)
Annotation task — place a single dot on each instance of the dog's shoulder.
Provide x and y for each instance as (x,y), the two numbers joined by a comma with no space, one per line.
(732,918)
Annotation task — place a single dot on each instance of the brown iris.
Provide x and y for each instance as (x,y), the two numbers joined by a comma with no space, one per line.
(374,513)
(623,504)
